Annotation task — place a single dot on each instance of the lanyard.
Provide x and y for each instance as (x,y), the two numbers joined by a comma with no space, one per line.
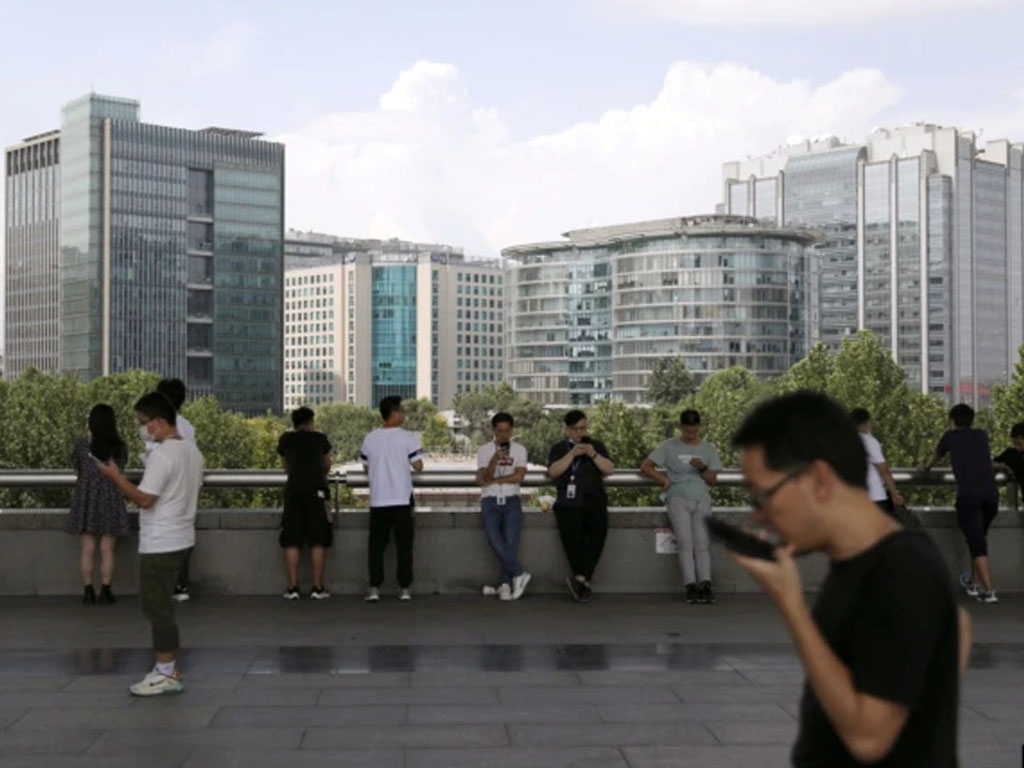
(575,464)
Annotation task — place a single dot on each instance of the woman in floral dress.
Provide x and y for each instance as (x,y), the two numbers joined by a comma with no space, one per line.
(97,508)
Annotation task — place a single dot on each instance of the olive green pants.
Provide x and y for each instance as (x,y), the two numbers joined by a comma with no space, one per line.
(158,574)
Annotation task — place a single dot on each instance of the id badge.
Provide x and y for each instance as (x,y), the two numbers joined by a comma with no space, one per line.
(501,500)
(570,491)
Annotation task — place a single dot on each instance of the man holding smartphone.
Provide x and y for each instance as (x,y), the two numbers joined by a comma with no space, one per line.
(885,643)
(691,467)
(501,467)
(579,465)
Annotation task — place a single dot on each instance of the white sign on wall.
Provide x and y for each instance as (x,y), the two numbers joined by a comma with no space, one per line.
(665,542)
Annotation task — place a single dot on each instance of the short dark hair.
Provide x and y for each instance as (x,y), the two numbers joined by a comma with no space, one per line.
(1017,430)
(155,405)
(860,416)
(689,418)
(803,427)
(574,417)
(389,405)
(962,415)
(502,418)
(173,390)
(302,415)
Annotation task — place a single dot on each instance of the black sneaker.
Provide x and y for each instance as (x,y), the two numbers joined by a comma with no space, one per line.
(292,593)
(691,593)
(586,593)
(89,596)
(106,596)
(574,588)
(704,593)
(319,593)
(181,594)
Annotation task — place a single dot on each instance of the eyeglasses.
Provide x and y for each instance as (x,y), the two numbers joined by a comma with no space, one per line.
(758,501)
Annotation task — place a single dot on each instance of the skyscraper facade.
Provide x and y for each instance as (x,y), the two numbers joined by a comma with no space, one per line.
(923,247)
(170,253)
(370,318)
(590,315)
(31,245)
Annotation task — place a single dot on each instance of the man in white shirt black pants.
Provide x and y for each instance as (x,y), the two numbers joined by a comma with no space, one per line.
(501,467)
(390,454)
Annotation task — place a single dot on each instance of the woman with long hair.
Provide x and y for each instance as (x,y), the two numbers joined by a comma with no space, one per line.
(97,507)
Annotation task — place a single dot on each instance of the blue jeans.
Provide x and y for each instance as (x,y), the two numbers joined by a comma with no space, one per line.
(502,525)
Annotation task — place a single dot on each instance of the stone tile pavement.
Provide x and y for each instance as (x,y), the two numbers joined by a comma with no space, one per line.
(444,682)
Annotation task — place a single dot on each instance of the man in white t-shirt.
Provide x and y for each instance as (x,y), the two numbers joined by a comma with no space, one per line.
(501,467)
(167,498)
(174,390)
(390,454)
(879,476)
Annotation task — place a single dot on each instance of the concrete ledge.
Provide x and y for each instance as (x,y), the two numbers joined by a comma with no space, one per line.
(237,553)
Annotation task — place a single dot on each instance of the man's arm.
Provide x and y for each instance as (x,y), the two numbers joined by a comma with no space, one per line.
(649,469)
(603,463)
(126,487)
(890,483)
(485,475)
(867,725)
(965,639)
(931,462)
(559,467)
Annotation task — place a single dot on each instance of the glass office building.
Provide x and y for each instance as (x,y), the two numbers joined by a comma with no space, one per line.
(417,320)
(590,315)
(170,253)
(923,246)
(31,245)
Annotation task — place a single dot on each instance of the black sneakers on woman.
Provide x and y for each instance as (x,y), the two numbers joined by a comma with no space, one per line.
(704,593)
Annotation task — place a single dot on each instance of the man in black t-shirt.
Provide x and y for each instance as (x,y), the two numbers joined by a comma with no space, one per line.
(578,466)
(977,497)
(885,643)
(307,460)
(1012,459)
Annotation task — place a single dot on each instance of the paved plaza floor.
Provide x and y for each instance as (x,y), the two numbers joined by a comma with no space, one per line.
(443,682)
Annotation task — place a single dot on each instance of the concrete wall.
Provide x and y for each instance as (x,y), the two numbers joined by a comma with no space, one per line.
(237,553)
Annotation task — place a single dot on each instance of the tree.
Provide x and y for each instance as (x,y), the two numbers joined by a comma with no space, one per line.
(670,382)
(622,430)
(1008,400)
(346,425)
(535,428)
(811,373)
(418,414)
(435,436)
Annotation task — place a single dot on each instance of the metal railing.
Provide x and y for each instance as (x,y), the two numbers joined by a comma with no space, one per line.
(434,478)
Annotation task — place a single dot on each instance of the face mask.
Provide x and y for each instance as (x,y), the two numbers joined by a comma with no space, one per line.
(144,434)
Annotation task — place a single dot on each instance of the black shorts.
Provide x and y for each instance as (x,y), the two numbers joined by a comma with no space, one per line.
(305,519)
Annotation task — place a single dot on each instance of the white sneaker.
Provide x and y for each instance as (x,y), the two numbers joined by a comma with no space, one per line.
(372,596)
(319,593)
(968,584)
(405,595)
(504,592)
(987,596)
(490,591)
(519,584)
(156,684)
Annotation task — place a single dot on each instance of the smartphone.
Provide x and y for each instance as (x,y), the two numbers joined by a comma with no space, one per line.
(739,541)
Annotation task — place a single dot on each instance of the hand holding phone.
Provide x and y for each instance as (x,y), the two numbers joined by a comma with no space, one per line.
(739,541)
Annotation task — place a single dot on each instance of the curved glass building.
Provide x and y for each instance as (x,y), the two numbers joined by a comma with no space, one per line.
(590,315)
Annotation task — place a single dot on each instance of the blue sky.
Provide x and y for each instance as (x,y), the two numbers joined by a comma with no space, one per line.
(490,123)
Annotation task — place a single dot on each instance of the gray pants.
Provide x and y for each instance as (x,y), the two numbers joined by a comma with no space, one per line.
(687,517)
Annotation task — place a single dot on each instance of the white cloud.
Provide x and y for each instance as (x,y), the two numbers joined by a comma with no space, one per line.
(430,164)
(785,12)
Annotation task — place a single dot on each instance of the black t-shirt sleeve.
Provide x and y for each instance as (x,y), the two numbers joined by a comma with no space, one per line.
(558,450)
(943,447)
(601,449)
(326,444)
(899,627)
(282,444)
(1004,457)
